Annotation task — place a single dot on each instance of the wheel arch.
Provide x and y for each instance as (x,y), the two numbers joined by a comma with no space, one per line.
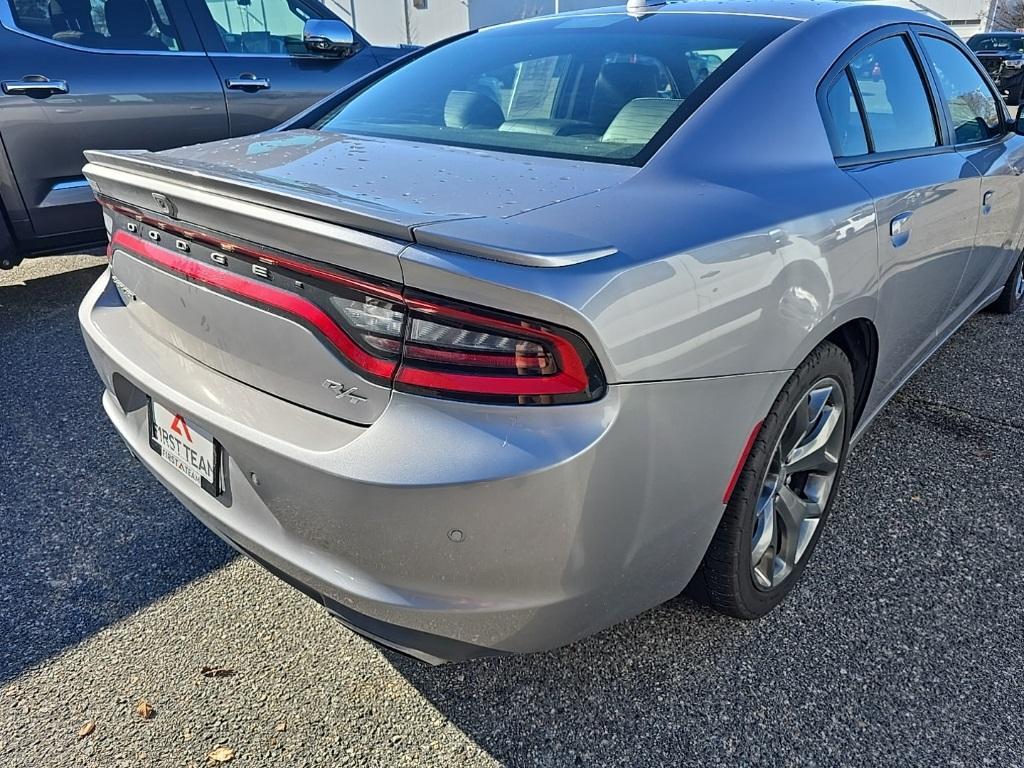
(854,331)
(858,338)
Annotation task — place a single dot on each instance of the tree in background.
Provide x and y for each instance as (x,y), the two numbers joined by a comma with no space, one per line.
(1007,14)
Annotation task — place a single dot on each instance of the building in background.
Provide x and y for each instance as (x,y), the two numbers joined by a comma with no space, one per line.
(421,22)
(965,17)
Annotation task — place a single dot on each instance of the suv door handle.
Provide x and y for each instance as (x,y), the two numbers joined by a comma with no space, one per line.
(248,81)
(986,201)
(34,85)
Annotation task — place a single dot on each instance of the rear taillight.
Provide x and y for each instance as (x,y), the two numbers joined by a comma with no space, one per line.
(445,349)
(420,343)
(453,350)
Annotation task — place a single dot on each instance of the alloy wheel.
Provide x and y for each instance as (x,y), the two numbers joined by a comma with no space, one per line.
(798,483)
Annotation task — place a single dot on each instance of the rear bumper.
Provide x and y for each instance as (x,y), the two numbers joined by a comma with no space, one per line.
(449,530)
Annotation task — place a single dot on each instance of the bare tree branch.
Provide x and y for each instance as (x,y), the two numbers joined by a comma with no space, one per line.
(1009,14)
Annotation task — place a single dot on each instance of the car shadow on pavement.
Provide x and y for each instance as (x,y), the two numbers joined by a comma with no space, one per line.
(85,537)
(610,699)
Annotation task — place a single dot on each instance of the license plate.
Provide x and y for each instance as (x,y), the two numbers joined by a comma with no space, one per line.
(185,447)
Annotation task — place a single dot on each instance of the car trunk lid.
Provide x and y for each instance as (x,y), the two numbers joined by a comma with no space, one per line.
(384,186)
(233,255)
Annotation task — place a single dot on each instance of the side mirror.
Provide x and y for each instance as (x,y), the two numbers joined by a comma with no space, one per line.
(1018,121)
(329,37)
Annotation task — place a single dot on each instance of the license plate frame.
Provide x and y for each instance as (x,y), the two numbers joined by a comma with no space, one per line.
(189,450)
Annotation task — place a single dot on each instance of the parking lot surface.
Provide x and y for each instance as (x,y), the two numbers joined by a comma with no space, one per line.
(903,645)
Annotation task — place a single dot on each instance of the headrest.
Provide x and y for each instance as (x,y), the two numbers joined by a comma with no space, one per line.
(469,109)
(631,80)
(127,17)
(70,16)
(617,85)
(638,121)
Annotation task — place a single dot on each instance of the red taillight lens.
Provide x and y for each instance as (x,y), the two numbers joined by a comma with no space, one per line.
(462,352)
(421,344)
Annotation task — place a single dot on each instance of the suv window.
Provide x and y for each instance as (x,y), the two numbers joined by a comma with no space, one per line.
(590,87)
(260,26)
(849,139)
(971,103)
(126,25)
(997,43)
(896,104)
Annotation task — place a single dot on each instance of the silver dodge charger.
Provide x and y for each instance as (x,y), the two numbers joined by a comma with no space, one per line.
(538,327)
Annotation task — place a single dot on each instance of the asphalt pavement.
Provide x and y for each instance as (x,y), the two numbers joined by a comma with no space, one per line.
(903,645)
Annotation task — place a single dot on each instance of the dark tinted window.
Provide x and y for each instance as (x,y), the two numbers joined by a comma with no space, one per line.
(847,127)
(997,43)
(600,87)
(971,103)
(896,104)
(127,25)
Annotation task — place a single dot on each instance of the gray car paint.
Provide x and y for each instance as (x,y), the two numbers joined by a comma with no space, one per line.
(732,253)
(571,515)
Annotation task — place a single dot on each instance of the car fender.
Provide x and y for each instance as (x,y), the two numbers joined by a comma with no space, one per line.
(862,308)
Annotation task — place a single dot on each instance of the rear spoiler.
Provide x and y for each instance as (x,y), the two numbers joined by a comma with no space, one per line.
(125,174)
(302,200)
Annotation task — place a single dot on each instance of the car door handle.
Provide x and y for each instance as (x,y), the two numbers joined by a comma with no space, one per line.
(247,81)
(34,85)
(899,229)
(986,201)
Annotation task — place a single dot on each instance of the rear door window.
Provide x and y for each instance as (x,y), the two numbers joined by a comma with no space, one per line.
(971,103)
(896,104)
(125,25)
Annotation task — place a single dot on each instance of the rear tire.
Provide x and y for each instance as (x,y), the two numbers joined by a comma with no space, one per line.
(763,544)
(1013,291)
(9,257)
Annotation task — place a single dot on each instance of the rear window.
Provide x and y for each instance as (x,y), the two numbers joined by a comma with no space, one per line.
(997,43)
(603,87)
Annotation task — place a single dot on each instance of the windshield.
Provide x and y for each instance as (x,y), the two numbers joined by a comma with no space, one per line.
(997,43)
(603,87)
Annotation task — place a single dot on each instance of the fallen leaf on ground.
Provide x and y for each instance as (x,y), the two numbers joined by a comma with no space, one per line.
(144,710)
(281,727)
(221,754)
(915,497)
(216,672)
(87,728)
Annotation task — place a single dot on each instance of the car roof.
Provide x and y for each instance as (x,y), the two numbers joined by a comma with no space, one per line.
(798,10)
(859,12)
